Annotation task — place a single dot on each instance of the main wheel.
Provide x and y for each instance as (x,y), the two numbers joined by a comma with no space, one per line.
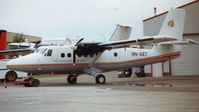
(11,76)
(72,79)
(100,79)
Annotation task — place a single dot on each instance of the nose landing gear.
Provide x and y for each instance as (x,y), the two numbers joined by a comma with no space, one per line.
(32,82)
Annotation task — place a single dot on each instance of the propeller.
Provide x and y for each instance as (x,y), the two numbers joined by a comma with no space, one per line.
(37,44)
(34,46)
(75,49)
(79,41)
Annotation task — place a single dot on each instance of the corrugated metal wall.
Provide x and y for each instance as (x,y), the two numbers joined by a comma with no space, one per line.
(188,63)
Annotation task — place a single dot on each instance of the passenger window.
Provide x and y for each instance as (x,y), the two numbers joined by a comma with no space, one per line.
(69,55)
(115,54)
(62,55)
(49,53)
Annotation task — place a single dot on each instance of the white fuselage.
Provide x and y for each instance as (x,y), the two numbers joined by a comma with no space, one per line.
(61,60)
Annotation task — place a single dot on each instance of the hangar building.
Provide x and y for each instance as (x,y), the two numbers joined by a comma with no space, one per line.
(188,63)
(8,37)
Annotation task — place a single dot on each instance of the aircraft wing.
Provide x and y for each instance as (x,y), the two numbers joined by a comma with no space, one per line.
(141,42)
(94,48)
(14,51)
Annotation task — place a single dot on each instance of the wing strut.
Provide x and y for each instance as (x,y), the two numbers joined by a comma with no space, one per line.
(93,70)
(94,60)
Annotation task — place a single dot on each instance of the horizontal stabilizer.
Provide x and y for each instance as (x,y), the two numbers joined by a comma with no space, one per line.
(187,42)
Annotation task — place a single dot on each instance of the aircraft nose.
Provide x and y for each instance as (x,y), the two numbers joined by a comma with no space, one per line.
(20,64)
(16,64)
(12,64)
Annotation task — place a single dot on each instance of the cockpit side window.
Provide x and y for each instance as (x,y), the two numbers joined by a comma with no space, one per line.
(49,53)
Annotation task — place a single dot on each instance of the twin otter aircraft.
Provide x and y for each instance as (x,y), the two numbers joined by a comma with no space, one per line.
(96,58)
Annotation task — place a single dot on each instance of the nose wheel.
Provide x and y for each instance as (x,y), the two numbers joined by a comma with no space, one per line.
(32,82)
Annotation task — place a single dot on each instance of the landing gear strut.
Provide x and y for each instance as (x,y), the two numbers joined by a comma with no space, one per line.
(72,79)
(100,79)
(33,82)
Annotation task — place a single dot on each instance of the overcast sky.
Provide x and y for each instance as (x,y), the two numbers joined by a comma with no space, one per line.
(91,19)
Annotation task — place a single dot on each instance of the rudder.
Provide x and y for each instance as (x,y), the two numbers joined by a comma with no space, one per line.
(174,24)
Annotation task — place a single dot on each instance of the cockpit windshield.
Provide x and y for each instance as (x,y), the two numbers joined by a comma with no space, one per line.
(41,50)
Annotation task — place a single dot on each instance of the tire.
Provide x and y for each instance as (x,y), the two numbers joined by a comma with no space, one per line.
(72,79)
(140,74)
(27,85)
(35,83)
(129,71)
(11,76)
(100,79)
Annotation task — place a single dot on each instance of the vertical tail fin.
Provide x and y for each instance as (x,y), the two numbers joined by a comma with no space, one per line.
(121,33)
(174,24)
(173,27)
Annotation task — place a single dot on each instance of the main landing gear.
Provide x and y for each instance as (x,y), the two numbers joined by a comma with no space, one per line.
(99,79)
(72,79)
(32,82)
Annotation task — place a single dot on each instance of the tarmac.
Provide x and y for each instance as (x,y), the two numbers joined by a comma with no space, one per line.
(174,94)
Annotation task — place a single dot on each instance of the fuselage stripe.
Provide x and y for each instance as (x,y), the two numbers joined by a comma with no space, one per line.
(160,57)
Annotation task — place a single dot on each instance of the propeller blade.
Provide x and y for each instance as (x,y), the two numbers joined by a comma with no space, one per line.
(74,57)
(74,50)
(79,41)
(37,43)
